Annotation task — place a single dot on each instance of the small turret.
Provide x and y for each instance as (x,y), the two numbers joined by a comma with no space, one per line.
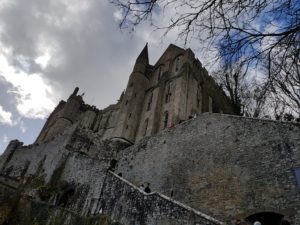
(63,117)
(71,109)
(7,154)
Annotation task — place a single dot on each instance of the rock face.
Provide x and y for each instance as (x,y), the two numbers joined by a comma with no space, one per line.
(228,167)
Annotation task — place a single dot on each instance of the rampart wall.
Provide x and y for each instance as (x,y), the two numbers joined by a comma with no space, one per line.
(226,166)
(52,166)
(63,173)
(128,204)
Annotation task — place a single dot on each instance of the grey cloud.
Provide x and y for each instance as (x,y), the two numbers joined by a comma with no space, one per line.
(89,52)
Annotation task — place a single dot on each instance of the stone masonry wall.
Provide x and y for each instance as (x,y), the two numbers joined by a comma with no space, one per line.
(226,166)
(130,205)
(46,171)
(52,166)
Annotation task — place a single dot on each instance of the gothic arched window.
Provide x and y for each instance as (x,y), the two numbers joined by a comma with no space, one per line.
(199,96)
(210,104)
(159,73)
(168,93)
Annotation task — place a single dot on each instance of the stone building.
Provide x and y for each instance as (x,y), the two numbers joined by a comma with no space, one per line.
(213,169)
(156,97)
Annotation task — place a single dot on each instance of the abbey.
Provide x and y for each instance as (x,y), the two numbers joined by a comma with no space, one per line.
(169,152)
(176,88)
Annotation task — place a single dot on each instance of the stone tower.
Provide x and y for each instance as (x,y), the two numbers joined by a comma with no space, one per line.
(132,101)
(63,116)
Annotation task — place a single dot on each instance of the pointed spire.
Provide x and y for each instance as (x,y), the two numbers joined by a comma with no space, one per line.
(143,57)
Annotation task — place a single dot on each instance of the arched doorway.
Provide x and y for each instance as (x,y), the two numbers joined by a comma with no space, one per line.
(267,218)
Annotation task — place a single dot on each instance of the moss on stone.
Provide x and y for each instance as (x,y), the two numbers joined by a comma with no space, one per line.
(39,213)
(56,175)
(59,218)
(46,192)
(37,182)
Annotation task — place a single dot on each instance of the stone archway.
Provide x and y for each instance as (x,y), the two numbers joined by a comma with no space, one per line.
(267,218)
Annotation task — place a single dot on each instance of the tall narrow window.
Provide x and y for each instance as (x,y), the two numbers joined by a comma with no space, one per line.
(150,102)
(168,93)
(159,73)
(297,174)
(210,104)
(146,126)
(166,118)
(177,64)
(199,96)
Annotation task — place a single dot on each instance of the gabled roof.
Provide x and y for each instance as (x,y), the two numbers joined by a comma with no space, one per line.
(170,48)
(144,56)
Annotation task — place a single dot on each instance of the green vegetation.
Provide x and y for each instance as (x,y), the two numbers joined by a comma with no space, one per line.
(46,192)
(39,213)
(57,173)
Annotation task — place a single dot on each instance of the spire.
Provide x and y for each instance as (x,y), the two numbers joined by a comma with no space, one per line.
(143,57)
(142,61)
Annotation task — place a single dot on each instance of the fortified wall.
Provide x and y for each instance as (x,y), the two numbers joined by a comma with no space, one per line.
(65,177)
(224,166)
(166,153)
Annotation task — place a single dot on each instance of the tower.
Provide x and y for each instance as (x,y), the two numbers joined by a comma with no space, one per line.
(133,99)
(63,116)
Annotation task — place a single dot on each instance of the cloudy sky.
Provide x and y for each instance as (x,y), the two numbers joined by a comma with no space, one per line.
(47,48)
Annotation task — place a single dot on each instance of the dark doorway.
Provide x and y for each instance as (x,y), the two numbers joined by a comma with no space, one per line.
(267,218)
